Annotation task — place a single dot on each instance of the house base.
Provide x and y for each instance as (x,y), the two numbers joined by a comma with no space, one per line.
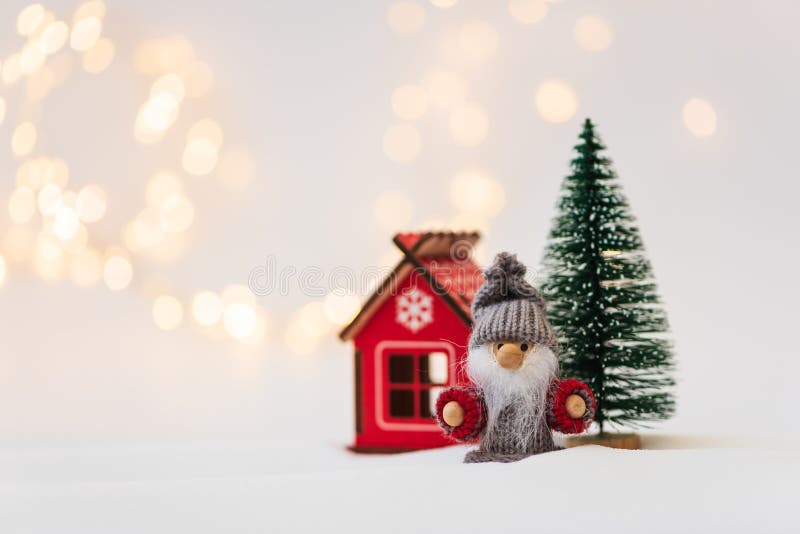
(611,440)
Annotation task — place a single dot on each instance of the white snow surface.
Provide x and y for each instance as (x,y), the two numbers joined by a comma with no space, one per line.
(248,489)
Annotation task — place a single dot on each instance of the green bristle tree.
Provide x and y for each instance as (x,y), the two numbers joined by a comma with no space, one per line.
(602,299)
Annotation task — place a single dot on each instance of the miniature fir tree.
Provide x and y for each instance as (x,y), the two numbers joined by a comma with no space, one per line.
(602,298)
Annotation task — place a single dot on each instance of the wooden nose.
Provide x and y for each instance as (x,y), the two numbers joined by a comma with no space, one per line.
(508,354)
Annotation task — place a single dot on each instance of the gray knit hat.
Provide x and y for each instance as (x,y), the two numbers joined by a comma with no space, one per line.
(507,307)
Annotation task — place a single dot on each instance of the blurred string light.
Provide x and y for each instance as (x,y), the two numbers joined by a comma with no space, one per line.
(699,117)
(593,33)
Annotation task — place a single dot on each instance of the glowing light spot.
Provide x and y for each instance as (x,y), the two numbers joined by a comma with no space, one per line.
(239,320)
(206,129)
(593,33)
(207,308)
(556,101)
(48,261)
(22,205)
(198,79)
(99,57)
(93,8)
(23,139)
(473,192)
(85,33)
(147,230)
(162,185)
(447,90)
(29,19)
(177,213)
(77,243)
(409,102)
(237,168)
(49,199)
(54,37)
(91,203)
(405,17)
(117,272)
(200,156)
(528,11)
(39,84)
(393,210)
(478,40)
(86,267)
(444,4)
(167,312)
(157,56)
(469,125)
(11,69)
(65,223)
(340,307)
(700,117)
(31,58)
(402,143)
(54,171)
(170,84)
(18,243)
(3,270)
(158,112)
(306,328)
(2,110)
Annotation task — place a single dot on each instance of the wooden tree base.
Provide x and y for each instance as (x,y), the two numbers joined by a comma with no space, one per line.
(614,441)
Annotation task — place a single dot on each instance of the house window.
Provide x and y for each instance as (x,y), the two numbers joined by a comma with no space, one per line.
(415,380)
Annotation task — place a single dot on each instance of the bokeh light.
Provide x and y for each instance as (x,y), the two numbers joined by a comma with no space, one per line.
(444,4)
(447,90)
(18,243)
(528,11)
(167,312)
(556,101)
(23,139)
(177,213)
(393,210)
(91,203)
(207,308)
(240,320)
(85,33)
(65,222)
(29,19)
(341,307)
(700,117)
(117,271)
(402,143)
(98,57)
(469,125)
(478,40)
(11,69)
(593,33)
(306,329)
(405,17)
(409,102)
(22,205)
(93,8)
(473,192)
(54,37)
(160,186)
(49,199)
(86,267)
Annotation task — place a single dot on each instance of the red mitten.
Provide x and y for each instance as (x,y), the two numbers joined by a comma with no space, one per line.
(470,400)
(557,416)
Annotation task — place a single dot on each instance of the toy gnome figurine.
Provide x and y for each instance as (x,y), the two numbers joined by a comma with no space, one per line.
(518,398)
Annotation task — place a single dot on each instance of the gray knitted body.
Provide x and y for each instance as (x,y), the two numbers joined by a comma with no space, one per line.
(507,307)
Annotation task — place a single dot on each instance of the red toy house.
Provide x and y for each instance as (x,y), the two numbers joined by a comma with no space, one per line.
(410,341)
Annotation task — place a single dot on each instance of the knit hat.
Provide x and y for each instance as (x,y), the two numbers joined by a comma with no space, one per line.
(506,307)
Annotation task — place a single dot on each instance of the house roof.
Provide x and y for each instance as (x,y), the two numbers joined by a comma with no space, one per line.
(443,259)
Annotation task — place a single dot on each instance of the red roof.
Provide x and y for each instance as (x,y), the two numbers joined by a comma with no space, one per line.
(444,259)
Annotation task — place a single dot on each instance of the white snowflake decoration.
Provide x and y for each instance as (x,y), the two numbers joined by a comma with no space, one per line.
(414,310)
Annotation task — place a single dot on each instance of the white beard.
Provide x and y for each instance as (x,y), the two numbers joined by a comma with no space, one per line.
(523,390)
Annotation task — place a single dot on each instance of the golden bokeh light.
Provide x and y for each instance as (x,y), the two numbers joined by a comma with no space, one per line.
(237,168)
(85,33)
(167,312)
(699,117)
(77,243)
(473,192)
(117,271)
(11,69)
(340,307)
(207,308)
(18,243)
(54,37)
(86,267)
(39,84)
(155,116)
(22,205)
(306,329)
(206,129)
(162,185)
(91,203)
(593,33)
(93,8)
(197,78)
(170,84)
(49,199)
(469,125)
(48,261)
(98,57)
(31,58)
(29,19)
(409,102)
(405,17)
(65,223)
(393,210)
(159,56)
(3,270)
(2,109)
(556,101)
(23,139)
(402,143)
(237,294)
(239,320)
(200,156)
(177,213)
(444,4)
(446,90)
(528,11)
(478,40)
